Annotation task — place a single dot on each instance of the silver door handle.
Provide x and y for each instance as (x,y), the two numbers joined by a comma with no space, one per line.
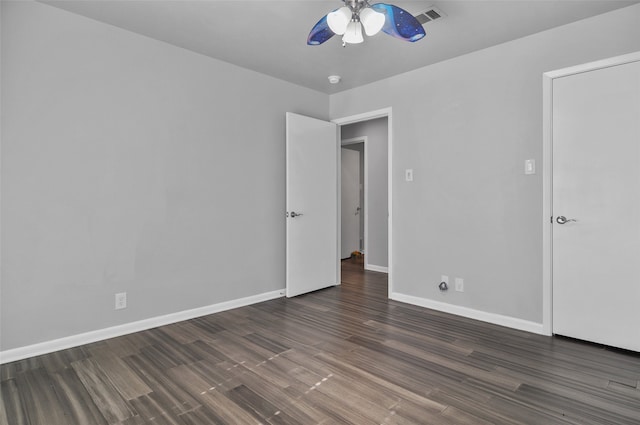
(357,211)
(564,220)
(295,214)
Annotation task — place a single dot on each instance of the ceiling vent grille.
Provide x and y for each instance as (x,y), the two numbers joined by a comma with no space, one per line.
(431,14)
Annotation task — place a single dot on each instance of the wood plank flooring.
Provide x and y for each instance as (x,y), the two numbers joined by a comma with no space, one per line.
(340,355)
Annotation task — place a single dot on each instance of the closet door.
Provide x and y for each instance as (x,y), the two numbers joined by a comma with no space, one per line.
(596,206)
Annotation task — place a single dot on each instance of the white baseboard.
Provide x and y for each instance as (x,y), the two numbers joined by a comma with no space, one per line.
(496,319)
(127,328)
(375,268)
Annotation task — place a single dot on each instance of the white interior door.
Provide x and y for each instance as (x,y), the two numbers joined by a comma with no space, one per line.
(312,204)
(596,181)
(350,201)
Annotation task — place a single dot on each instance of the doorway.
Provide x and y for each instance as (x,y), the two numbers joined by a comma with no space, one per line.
(299,131)
(353,196)
(377,213)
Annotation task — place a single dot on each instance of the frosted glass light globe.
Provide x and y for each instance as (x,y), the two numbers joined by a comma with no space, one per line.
(338,20)
(353,34)
(372,21)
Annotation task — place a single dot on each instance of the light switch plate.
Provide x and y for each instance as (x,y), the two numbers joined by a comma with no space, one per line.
(530,166)
(408,175)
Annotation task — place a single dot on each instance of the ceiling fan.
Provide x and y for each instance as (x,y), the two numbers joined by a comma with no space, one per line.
(350,19)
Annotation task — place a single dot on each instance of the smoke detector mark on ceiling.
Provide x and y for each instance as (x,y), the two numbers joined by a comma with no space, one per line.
(431,14)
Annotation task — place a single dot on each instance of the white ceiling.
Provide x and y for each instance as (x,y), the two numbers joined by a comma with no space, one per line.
(270,36)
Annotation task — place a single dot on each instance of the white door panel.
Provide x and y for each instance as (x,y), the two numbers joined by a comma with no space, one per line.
(312,191)
(350,205)
(596,181)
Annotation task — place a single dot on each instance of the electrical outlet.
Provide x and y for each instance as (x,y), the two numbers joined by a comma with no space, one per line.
(121,300)
(444,279)
(459,284)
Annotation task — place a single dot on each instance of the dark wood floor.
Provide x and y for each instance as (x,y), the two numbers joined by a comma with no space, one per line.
(340,355)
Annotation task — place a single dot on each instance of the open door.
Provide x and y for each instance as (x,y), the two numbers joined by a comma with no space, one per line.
(312,204)
(350,205)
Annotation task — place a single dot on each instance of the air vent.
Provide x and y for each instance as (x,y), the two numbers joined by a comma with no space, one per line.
(431,14)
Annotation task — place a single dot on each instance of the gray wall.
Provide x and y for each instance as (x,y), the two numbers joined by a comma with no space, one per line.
(132,165)
(466,126)
(377,133)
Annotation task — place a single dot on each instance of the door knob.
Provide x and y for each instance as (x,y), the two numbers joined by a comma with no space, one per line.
(295,214)
(357,210)
(564,220)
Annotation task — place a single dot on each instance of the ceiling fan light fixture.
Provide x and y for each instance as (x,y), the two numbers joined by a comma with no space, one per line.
(353,34)
(355,14)
(372,21)
(338,20)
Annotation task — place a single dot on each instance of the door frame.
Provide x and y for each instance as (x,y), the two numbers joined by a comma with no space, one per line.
(547,174)
(365,236)
(366,116)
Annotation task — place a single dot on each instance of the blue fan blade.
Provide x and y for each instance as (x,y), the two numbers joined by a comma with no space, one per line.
(320,33)
(399,23)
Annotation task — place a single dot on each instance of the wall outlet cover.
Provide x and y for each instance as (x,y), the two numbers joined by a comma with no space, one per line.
(121,300)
